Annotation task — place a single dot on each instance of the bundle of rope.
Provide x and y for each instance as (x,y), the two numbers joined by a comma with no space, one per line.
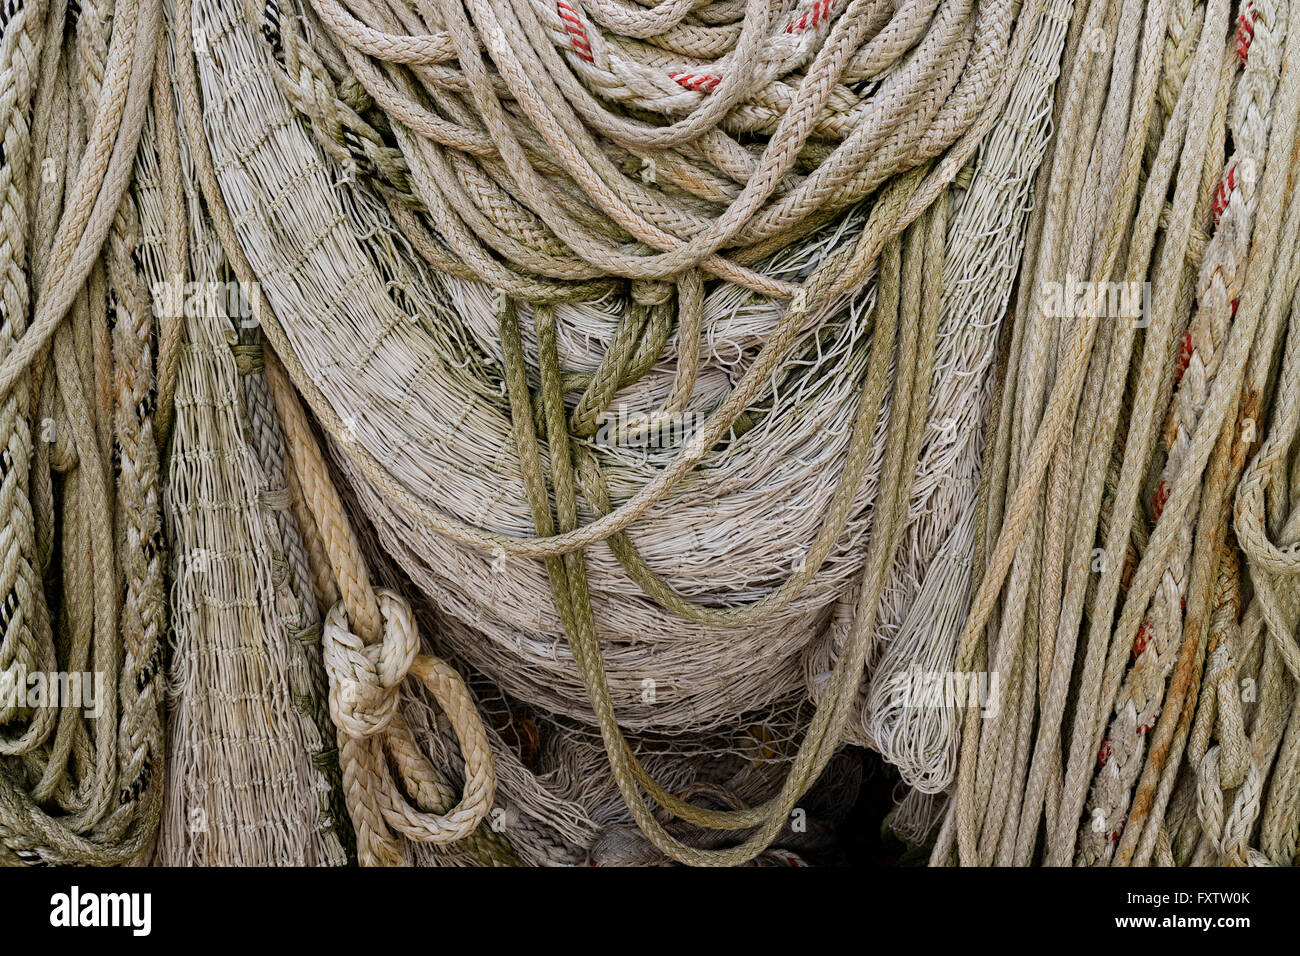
(636,380)
(1108,497)
(404,403)
(84,616)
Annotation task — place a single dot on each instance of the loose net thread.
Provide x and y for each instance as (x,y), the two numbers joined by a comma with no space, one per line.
(249,767)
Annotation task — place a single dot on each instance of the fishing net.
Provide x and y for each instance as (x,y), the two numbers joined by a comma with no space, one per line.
(558,433)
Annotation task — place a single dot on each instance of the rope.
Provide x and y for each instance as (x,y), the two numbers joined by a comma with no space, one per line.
(1134,685)
(82,783)
(710,377)
(366,672)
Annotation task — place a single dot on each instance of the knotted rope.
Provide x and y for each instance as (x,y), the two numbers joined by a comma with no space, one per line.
(474,234)
(966,114)
(366,671)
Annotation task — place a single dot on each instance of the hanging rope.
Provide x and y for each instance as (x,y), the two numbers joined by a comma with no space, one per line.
(82,782)
(704,378)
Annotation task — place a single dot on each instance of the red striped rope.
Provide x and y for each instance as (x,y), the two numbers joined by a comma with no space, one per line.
(1140,642)
(1246,30)
(1184,357)
(1223,192)
(821,10)
(1158,501)
(576,31)
(700,82)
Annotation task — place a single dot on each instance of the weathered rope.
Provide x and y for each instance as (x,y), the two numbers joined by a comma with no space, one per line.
(81,787)
(685,461)
(366,673)
(647,350)
(1161,595)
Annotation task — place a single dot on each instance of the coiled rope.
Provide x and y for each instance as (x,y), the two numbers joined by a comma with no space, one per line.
(81,781)
(474,233)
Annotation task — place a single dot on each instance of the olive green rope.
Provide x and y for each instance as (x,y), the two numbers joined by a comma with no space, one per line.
(908,297)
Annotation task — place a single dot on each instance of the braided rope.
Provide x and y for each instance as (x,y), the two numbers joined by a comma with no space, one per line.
(474,233)
(92,793)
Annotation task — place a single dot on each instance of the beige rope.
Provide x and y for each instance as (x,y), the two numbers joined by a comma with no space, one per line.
(88,790)
(366,671)
(475,232)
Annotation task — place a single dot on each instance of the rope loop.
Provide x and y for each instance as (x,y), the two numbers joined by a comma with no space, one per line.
(479,792)
(365,691)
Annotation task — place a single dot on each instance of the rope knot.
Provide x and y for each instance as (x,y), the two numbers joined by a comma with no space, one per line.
(365,679)
(651,291)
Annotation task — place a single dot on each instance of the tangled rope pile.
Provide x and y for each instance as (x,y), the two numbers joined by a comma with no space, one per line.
(637,314)
(1114,592)
(83,552)
(695,376)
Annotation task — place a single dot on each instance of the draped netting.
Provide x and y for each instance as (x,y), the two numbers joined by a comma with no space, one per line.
(713,608)
(682,395)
